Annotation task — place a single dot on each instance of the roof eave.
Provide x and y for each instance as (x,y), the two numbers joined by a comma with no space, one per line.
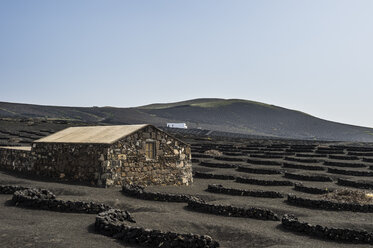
(40,141)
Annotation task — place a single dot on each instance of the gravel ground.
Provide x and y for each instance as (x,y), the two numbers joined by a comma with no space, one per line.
(36,228)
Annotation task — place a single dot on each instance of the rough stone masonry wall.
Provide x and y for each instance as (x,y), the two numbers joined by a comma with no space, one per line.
(126,160)
(73,162)
(16,160)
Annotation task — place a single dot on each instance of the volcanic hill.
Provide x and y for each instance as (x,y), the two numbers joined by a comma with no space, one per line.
(228,115)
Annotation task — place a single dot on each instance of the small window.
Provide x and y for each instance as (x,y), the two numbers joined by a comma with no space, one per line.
(150,150)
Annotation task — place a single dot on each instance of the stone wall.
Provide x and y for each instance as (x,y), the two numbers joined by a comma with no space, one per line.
(303,167)
(109,221)
(10,189)
(291,223)
(257,170)
(228,210)
(329,205)
(351,172)
(140,193)
(46,200)
(217,165)
(108,224)
(218,188)
(316,178)
(126,160)
(350,183)
(213,176)
(262,162)
(16,159)
(311,190)
(341,164)
(264,182)
(73,162)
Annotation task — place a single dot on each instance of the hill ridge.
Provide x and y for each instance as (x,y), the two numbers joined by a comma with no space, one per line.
(226,115)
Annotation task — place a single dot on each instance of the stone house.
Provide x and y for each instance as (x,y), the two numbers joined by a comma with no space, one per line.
(110,155)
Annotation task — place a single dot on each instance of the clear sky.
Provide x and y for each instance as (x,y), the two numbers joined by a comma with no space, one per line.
(315,56)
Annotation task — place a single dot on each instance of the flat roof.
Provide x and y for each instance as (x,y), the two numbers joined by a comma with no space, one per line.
(92,134)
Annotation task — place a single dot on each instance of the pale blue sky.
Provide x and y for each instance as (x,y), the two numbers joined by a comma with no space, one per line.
(315,56)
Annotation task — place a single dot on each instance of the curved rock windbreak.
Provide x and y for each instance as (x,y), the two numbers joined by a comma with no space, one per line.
(140,193)
(354,184)
(317,178)
(217,165)
(342,164)
(329,205)
(213,176)
(290,222)
(10,189)
(46,200)
(231,211)
(258,170)
(311,190)
(351,172)
(109,221)
(217,188)
(264,182)
(303,167)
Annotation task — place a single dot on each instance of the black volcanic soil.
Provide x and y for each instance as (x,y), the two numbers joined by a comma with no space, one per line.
(36,228)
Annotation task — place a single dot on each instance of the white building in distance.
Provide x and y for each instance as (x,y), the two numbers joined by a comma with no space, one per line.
(177,125)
